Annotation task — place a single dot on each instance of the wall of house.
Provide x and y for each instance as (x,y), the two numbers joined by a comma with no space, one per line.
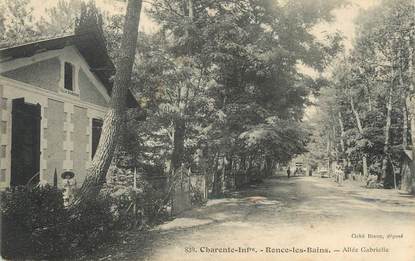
(88,92)
(81,153)
(44,74)
(46,71)
(4,129)
(54,134)
(66,127)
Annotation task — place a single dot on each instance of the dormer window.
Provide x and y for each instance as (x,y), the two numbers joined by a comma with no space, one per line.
(69,77)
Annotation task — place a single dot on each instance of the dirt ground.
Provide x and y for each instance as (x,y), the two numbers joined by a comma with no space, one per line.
(301,218)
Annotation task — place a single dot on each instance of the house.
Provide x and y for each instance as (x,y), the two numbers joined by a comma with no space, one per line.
(54,94)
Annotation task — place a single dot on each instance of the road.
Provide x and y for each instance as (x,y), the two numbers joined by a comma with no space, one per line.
(301,218)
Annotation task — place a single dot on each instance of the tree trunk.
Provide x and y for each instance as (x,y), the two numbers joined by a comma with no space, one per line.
(410,103)
(342,134)
(405,127)
(179,123)
(268,166)
(96,173)
(336,153)
(385,161)
(274,166)
(346,160)
(229,178)
(360,128)
(404,107)
(369,99)
(250,162)
(223,175)
(217,175)
(178,144)
(328,155)
(242,166)
(370,103)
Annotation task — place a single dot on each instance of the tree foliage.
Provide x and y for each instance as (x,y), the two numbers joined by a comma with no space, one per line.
(370,91)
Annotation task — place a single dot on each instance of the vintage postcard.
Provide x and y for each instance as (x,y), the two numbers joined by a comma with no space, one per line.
(207,130)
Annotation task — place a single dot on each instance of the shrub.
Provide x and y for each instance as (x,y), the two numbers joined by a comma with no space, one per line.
(91,225)
(36,225)
(149,197)
(154,204)
(33,222)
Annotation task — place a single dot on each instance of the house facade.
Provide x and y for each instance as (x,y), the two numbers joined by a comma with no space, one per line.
(53,97)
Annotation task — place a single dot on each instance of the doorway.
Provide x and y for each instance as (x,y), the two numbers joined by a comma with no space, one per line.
(25,153)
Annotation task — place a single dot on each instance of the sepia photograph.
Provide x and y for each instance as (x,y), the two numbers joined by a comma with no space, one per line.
(207,130)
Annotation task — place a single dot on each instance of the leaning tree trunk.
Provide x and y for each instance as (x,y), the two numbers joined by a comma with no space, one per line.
(96,173)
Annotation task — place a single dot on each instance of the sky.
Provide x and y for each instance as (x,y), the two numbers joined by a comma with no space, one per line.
(110,6)
(343,22)
(345,19)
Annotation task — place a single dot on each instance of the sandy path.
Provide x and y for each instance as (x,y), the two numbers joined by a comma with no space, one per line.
(302,218)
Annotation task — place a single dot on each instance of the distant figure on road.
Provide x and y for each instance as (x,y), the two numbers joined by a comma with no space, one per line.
(288,172)
(339,174)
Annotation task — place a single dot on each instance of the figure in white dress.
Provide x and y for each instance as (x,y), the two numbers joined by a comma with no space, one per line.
(69,186)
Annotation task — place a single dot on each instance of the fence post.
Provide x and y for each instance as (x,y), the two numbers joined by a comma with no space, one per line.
(55,179)
(135,193)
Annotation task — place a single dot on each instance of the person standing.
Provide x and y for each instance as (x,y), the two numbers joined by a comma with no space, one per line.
(288,172)
(69,187)
(340,175)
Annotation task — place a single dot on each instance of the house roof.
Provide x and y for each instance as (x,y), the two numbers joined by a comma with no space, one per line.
(90,45)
